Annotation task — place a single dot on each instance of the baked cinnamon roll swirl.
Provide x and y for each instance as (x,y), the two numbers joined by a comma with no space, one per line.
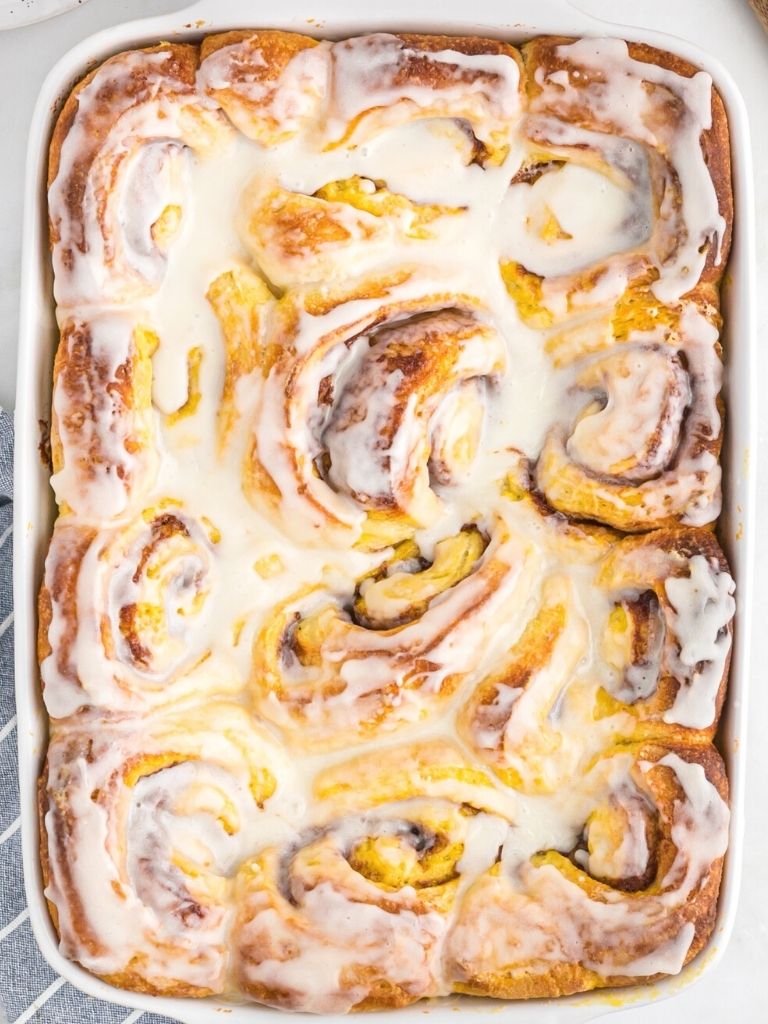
(641,450)
(513,719)
(369,890)
(122,614)
(653,124)
(383,80)
(377,934)
(270,84)
(102,433)
(333,669)
(274,85)
(356,222)
(667,639)
(349,441)
(143,830)
(117,171)
(631,896)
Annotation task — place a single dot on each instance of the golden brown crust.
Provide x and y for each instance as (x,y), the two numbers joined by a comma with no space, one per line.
(132,980)
(382,994)
(430,74)
(116,95)
(45,857)
(279,46)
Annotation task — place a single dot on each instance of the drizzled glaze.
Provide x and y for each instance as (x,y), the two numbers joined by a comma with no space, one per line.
(331,313)
(623,96)
(105,453)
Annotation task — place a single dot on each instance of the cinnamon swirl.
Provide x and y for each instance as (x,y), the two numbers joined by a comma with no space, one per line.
(630,899)
(343,443)
(145,820)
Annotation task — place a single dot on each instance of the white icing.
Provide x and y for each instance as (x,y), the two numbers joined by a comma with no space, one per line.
(621,100)
(482,845)
(590,209)
(108,452)
(645,388)
(360,931)
(703,606)
(366,79)
(154,856)
(531,917)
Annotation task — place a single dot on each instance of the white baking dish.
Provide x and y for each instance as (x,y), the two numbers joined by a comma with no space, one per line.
(34,499)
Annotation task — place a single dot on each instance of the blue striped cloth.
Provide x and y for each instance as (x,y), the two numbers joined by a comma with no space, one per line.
(30,990)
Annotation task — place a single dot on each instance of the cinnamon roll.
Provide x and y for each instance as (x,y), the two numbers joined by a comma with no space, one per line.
(274,84)
(144,822)
(343,445)
(378,937)
(117,170)
(122,614)
(383,80)
(629,897)
(645,130)
(640,450)
(333,670)
(369,893)
(667,638)
(513,719)
(102,431)
(297,238)
(649,132)
(270,84)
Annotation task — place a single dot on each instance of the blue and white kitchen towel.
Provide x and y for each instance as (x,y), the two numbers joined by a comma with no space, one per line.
(30,990)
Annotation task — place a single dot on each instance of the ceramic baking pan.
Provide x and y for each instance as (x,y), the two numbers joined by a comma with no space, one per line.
(34,506)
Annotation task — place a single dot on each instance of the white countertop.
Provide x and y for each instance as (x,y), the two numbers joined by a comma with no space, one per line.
(734,991)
